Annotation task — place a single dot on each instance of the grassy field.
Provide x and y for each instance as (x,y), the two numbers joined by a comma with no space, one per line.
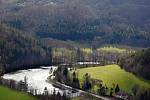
(9,94)
(112,49)
(109,49)
(114,74)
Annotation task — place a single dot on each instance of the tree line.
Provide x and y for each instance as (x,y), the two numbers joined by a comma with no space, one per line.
(137,63)
(76,54)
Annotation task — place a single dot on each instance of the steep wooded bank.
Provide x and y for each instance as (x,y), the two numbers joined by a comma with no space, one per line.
(138,63)
(102,21)
(19,50)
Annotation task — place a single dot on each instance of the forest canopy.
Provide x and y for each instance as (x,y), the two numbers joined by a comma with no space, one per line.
(19,49)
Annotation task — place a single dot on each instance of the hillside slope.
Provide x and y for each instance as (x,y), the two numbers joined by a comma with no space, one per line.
(19,50)
(102,21)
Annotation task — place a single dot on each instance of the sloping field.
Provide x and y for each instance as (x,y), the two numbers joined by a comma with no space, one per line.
(113,74)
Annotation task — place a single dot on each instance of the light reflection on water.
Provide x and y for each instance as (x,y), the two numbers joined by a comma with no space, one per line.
(36,78)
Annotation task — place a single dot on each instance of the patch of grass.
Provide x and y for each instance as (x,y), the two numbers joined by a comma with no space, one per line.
(112,49)
(62,51)
(87,50)
(9,94)
(113,74)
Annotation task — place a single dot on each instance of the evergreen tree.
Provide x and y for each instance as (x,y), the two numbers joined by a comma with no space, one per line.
(65,74)
(117,89)
(86,83)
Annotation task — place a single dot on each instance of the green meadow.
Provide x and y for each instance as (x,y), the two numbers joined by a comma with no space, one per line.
(9,94)
(113,74)
(109,49)
(112,49)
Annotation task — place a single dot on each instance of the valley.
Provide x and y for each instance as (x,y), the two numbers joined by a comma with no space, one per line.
(74,49)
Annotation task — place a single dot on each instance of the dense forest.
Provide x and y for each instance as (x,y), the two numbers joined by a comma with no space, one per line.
(100,21)
(19,50)
(138,63)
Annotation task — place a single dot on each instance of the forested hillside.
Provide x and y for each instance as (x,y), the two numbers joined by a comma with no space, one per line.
(138,63)
(100,22)
(19,50)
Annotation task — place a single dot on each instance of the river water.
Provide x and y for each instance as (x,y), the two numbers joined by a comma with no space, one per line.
(36,78)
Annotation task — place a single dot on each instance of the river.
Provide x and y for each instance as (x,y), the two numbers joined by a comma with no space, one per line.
(36,78)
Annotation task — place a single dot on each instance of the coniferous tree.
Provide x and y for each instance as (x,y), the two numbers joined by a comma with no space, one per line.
(117,89)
